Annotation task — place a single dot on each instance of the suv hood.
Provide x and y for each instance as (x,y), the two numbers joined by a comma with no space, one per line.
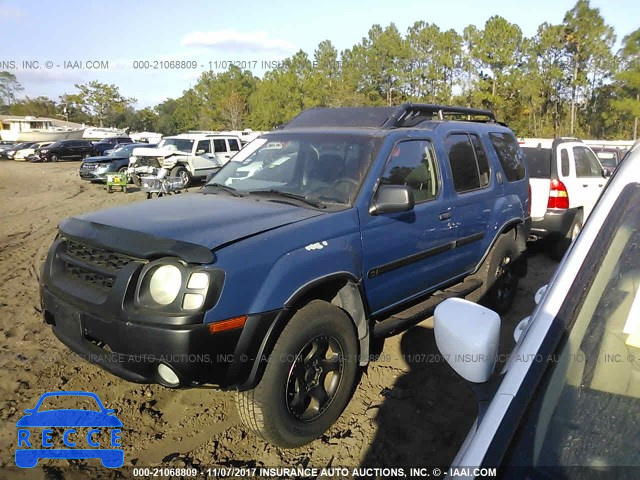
(156,152)
(208,220)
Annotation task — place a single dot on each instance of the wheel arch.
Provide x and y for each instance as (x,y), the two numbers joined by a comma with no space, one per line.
(515,227)
(342,290)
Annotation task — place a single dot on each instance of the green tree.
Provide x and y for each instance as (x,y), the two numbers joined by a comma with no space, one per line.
(9,88)
(37,107)
(588,43)
(101,100)
(628,80)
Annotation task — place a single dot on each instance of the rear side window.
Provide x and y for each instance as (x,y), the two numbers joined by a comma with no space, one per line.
(538,162)
(233,145)
(413,163)
(510,155)
(469,171)
(586,163)
(219,145)
(564,162)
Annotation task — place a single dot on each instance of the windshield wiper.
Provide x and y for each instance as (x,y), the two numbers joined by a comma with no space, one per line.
(309,201)
(226,188)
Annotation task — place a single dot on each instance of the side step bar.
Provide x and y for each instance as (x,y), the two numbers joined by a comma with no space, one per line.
(411,316)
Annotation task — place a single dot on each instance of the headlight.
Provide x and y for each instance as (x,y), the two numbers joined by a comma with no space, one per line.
(44,151)
(165,284)
(170,285)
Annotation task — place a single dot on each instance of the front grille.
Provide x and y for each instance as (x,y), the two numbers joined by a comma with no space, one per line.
(92,265)
(148,162)
(89,166)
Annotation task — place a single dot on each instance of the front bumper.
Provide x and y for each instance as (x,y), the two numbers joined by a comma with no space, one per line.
(134,351)
(555,223)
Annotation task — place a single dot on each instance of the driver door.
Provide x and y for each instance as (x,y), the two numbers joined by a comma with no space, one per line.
(405,254)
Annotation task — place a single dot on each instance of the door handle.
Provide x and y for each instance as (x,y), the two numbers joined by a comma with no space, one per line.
(585,186)
(445,216)
(600,185)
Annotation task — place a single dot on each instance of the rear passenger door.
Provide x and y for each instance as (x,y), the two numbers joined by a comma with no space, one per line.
(221,150)
(406,254)
(474,200)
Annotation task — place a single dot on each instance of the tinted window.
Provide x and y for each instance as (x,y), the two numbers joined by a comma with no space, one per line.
(219,145)
(564,161)
(233,145)
(538,162)
(510,155)
(586,163)
(463,162)
(204,146)
(481,157)
(413,164)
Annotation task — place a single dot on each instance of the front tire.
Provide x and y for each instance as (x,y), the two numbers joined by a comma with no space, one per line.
(54,157)
(308,380)
(183,173)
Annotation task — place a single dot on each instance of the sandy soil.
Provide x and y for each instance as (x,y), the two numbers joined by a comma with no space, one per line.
(409,408)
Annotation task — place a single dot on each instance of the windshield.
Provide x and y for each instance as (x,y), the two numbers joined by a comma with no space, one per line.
(326,167)
(607,158)
(181,144)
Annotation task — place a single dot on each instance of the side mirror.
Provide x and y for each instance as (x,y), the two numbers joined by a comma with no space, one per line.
(467,335)
(606,172)
(540,293)
(199,152)
(392,199)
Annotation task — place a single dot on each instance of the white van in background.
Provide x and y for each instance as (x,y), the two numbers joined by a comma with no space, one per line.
(566,180)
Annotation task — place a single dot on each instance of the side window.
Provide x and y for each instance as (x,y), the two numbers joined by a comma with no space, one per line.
(462,159)
(233,145)
(219,145)
(586,163)
(481,157)
(510,155)
(204,146)
(564,162)
(413,163)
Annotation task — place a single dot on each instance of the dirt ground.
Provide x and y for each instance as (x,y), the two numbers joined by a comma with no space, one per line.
(410,408)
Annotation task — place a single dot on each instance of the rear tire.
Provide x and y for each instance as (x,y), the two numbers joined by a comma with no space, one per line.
(560,247)
(308,380)
(499,276)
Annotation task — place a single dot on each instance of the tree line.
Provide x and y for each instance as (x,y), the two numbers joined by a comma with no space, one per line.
(565,80)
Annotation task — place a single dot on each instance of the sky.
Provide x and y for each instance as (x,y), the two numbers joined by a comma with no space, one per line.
(131,43)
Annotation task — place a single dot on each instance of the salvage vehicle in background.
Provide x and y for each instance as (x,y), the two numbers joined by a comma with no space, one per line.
(10,153)
(188,156)
(25,153)
(566,180)
(281,284)
(96,169)
(110,143)
(66,150)
(567,403)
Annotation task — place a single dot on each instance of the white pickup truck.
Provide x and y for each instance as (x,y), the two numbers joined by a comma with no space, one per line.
(566,180)
(189,156)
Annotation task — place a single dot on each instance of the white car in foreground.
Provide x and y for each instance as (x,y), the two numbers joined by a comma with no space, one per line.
(567,403)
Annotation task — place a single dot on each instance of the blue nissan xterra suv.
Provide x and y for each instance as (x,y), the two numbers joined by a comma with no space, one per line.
(281,275)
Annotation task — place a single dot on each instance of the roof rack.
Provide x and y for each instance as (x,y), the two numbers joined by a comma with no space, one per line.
(406,115)
(411,114)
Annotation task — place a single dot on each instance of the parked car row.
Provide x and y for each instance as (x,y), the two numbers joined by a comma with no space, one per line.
(116,160)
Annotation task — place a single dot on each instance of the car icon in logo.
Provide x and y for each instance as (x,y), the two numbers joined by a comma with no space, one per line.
(83,432)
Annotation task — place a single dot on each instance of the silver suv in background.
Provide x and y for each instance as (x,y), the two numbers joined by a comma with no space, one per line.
(189,156)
